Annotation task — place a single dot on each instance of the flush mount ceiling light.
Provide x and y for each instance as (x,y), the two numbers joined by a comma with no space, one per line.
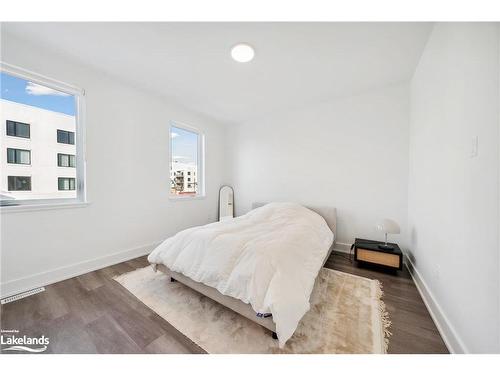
(242,52)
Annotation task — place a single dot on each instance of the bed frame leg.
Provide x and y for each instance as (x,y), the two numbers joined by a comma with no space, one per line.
(275,336)
(172,280)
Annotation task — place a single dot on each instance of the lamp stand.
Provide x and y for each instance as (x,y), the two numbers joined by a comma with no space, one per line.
(385,246)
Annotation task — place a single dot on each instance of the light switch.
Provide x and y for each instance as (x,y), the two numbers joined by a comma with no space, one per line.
(474,147)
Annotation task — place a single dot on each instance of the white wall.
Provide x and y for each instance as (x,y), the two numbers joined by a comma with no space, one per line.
(351,153)
(127,180)
(453,209)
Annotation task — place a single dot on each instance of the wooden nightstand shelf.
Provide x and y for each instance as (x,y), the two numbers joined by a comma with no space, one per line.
(367,252)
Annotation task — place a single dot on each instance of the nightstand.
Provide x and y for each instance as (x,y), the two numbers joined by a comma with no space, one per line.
(367,252)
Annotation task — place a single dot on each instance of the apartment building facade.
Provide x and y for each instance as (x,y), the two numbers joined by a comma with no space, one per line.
(183,178)
(38,153)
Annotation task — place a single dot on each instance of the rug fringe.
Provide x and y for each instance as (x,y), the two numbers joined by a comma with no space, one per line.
(384,315)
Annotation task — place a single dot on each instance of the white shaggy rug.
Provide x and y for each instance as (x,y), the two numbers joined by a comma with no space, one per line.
(347,315)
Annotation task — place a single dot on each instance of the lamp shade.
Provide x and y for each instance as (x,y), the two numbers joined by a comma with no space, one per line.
(388,226)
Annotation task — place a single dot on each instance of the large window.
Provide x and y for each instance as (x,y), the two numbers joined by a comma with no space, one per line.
(17,156)
(186,161)
(46,116)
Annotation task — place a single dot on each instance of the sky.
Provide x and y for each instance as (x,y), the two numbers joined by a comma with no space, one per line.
(22,91)
(184,146)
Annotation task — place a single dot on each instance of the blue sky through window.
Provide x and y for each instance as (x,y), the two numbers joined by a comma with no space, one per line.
(23,91)
(184,146)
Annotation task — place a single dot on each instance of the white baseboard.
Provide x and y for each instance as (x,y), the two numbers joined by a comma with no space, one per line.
(9,288)
(13,287)
(450,336)
(342,247)
(24,284)
(448,333)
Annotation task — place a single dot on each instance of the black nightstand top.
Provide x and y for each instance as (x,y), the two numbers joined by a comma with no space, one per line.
(373,245)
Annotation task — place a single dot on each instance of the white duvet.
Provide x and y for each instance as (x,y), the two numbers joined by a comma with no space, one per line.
(268,258)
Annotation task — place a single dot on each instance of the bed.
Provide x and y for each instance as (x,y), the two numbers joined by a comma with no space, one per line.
(267,309)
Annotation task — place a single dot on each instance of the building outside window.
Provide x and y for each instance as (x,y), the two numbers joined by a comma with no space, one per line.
(17,156)
(17,129)
(186,158)
(65,160)
(19,183)
(66,183)
(42,131)
(64,136)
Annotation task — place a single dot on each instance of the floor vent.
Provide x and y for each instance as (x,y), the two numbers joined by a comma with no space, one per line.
(22,295)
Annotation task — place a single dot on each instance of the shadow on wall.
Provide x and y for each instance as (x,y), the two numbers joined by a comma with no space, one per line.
(412,244)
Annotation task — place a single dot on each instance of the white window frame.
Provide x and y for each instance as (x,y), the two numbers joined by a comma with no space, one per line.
(79,94)
(200,170)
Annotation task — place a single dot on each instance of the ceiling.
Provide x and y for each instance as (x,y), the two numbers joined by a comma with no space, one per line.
(295,63)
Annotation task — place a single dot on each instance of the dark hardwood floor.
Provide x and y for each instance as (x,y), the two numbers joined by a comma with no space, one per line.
(413,330)
(94,314)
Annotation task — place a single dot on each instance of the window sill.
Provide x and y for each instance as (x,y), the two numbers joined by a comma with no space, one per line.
(178,198)
(42,207)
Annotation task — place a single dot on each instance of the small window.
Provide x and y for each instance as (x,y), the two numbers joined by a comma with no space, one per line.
(19,183)
(17,156)
(186,158)
(65,160)
(64,136)
(18,129)
(66,183)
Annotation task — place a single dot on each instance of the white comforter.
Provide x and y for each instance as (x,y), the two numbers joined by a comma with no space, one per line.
(268,258)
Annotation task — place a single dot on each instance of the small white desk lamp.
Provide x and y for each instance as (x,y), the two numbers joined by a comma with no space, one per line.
(387,226)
